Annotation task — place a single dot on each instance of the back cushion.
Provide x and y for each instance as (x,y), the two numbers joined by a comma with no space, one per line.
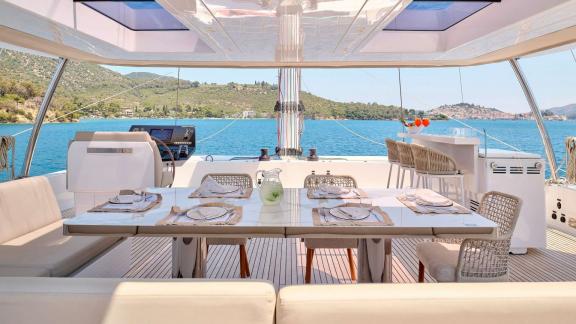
(119,301)
(26,205)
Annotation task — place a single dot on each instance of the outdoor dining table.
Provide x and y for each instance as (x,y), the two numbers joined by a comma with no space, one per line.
(292,217)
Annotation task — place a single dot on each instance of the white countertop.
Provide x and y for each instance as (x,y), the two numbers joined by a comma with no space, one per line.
(454,140)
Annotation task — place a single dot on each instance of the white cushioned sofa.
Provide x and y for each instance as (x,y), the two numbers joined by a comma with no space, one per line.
(31,238)
(117,301)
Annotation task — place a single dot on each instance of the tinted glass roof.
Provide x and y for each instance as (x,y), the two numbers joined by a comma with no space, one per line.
(426,15)
(137,15)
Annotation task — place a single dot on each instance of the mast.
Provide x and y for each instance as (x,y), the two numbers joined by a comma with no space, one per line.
(289,108)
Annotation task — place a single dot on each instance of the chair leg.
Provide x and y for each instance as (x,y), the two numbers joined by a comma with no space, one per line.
(420,272)
(309,257)
(463,198)
(400,168)
(411,178)
(402,181)
(351,263)
(242,261)
(418,181)
(389,175)
(244,255)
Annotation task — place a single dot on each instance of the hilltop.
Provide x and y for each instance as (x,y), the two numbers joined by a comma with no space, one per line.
(568,110)
(470,111)
(24,77)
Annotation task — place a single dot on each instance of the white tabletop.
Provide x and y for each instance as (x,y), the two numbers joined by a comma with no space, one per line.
(291,218)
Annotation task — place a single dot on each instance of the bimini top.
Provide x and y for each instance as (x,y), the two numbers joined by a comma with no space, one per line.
(271,33)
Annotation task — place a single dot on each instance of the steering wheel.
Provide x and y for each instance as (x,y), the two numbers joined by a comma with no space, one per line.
(172,160)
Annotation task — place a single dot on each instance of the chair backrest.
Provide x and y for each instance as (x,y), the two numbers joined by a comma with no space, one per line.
(405,154)
(26,205)
(234,179)
(420,154)
(440,163)
(122,301)
(502,209)
(315,180)
(487,259)
(393,155)
(126,137)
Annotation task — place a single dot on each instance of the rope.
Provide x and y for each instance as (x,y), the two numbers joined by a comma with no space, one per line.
(571,160)
(216,133)
(7,143)
(96,102)
(359,135)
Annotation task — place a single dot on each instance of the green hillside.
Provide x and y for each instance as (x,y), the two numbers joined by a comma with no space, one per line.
(24,77)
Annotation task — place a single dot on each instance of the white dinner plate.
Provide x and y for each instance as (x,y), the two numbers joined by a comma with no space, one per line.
(206,213)
(350,213)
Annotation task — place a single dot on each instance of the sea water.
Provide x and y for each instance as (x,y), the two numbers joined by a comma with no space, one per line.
(246,137)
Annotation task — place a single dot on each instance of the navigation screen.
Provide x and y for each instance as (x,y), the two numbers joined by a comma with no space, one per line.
(165,135)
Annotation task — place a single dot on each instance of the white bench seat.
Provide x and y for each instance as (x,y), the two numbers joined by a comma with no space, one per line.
(31,234)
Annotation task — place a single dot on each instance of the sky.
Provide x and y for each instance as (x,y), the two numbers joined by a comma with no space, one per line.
(551,76)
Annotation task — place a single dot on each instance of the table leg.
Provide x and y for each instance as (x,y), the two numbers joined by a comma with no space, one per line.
(189,257)
(375,260)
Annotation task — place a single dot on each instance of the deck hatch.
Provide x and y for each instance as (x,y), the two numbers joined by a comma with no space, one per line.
(143,15)
(426,15)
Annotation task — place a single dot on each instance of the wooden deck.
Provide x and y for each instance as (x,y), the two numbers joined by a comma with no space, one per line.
(282,261)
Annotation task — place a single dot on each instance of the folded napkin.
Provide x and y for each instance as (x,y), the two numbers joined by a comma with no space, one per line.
(331,191)
(430,200)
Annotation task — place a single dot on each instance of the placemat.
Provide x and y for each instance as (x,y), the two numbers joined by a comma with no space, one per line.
(454,209)
(378,217)
(311,193)
(179,217)
(150,201)
(243,193)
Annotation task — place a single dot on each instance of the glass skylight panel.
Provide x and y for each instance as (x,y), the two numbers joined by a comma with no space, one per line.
(137,15)
(435,15)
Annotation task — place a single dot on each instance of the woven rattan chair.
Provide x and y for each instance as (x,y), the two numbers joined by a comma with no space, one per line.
(314,181)
(474,260)
(430,164)
(242,181)
(406,162)
(393,160)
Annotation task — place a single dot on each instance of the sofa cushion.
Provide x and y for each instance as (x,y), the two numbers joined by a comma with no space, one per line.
(26,205)
(440,259)
(48,250)
(111,301)
(446,303)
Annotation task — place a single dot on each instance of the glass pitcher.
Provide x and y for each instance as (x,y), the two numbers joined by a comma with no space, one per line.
(271,190)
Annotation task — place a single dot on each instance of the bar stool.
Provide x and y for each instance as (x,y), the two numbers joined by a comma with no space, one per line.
(393,159)
(431,164)
(406,162)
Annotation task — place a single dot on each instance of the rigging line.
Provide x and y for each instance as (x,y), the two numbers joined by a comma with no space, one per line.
(216,133)
(96,102)
(461,88)
(573,55)
(359,135)
(400,91)
(177,96)
(487,135)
